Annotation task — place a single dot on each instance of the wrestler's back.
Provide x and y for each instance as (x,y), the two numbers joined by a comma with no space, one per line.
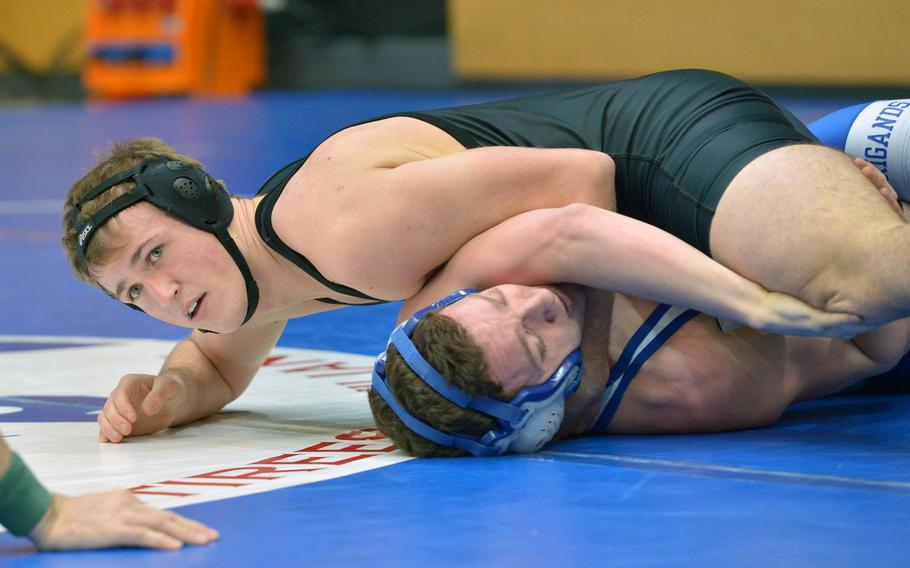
(379,206)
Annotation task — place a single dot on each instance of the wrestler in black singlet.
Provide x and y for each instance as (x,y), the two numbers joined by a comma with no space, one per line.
(678,138)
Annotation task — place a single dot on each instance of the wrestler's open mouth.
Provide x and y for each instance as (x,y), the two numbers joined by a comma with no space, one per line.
(193,310)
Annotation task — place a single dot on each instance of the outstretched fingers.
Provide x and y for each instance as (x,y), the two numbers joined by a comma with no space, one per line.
(112,519)
(147,538)
(164,529)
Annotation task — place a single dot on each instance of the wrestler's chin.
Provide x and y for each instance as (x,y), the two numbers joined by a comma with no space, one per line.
(220,326)
(212,317)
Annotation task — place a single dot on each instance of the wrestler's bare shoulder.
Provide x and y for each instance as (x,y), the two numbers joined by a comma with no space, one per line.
(334,200)
(338,173)
(385,143)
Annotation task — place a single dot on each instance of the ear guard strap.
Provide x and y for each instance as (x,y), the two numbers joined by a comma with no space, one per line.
(93,223)
(431,376)
(458,441)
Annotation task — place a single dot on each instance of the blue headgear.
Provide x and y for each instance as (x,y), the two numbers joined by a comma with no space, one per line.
(526,422)
(180,190)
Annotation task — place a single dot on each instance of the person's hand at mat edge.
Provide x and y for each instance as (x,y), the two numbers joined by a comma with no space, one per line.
(114,518)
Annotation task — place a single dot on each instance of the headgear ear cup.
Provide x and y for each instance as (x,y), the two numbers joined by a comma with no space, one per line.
(878,132)
(540,429)
(181,190)
(186,188)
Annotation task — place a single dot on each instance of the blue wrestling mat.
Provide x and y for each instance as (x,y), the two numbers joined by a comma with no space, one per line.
(289,474)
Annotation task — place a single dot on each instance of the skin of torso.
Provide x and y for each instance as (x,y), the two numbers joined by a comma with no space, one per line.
(705,380)
(697,353)
(698,348)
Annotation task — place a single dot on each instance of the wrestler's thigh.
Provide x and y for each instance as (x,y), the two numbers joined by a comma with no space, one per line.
(797,217)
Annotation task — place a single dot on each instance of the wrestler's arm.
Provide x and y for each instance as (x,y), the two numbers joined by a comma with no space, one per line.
(605,250)
(215,369)
(200,376)
(398,215)
(208,370)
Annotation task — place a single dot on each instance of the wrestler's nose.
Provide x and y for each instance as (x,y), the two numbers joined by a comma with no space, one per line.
(162,289)
(538,306)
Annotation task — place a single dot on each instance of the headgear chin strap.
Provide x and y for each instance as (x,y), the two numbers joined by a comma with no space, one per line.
(526,422)
(180,190)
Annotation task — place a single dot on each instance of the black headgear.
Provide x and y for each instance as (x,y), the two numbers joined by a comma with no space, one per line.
(180,190)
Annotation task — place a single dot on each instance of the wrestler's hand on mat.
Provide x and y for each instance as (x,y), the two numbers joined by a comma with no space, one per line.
(114,518)
(784,314)
(139,405)
(878,179)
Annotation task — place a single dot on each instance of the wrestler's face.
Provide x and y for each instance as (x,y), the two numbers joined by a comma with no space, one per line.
(165,267)
(525,332)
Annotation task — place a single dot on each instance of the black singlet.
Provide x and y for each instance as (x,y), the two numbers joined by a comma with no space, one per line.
(678,138)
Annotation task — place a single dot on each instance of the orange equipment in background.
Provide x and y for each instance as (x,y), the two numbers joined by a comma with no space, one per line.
(162,47)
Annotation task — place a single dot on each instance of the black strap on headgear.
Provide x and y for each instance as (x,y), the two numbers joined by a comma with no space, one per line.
(180,190)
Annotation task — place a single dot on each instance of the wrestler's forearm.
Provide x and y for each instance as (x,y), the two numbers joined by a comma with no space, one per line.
(605,250)
(202,396)
(600,249)
(215,369)
(204,390)
(631,257)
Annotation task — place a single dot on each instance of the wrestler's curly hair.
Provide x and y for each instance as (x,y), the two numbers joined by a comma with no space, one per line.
(448,347)
(123,155)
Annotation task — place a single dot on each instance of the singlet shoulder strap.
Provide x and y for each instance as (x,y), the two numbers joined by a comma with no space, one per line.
(660,326)
(272,191)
